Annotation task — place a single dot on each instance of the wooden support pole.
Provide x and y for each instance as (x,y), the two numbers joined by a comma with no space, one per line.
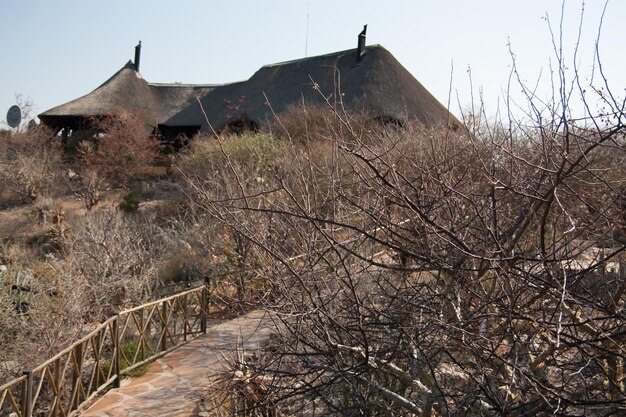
(205,309)
(57,383)
(185,317)
(164,327)
(142,338)
(77,375)
(27,401)
(117,352)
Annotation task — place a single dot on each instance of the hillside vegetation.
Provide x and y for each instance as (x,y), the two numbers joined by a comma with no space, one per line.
(410,271)
(418,270)
(96,227)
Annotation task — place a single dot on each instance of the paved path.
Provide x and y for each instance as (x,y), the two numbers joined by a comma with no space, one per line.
(172,386)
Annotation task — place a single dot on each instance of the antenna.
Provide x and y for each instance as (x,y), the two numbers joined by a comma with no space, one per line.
(306,42)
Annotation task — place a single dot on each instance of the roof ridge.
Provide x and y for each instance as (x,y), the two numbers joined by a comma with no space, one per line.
(175,84)
(293,61)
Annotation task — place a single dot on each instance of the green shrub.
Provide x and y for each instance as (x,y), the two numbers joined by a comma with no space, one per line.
(129,350)
(255,152)
(130,202)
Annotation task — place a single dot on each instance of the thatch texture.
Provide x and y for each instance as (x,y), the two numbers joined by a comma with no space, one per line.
(377,85)
(125,92)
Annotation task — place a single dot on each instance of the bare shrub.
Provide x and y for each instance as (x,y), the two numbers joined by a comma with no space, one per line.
(121,150)
(87,185)
(207,162)
(302,123)
(238,390)
(95,265)
(30,165)
(41,314)
(116,259)
(477,271)
(51,219)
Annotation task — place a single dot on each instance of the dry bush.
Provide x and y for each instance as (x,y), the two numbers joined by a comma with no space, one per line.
(31,166)
(77,270)
(52,236)
(238,390)
(121,151)
(452,272)
(302,123)
(96,266)
(115,258)
(477,271)
(41,314)
(87,185)
(207,161)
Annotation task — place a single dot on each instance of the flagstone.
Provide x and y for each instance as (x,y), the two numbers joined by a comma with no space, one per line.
(172,385)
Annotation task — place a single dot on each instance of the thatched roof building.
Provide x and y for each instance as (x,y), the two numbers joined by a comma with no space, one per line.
(125,92)
(365,79)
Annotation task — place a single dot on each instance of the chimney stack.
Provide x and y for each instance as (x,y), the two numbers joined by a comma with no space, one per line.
(360,51)
(137,56)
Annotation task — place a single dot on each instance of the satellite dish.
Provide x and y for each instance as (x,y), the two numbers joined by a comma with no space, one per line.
(14,116)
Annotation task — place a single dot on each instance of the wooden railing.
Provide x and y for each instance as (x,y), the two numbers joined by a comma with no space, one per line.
(62,385)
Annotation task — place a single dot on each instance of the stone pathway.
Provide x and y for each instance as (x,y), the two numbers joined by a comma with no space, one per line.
(172,386)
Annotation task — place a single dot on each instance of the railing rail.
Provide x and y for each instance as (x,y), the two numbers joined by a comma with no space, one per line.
(62,385)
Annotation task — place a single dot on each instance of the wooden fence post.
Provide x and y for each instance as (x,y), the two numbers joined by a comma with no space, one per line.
(142,338)
(205,309)
(27,400)
(185,318)
(77,375)
(164,327)
(117,350)
(57,382)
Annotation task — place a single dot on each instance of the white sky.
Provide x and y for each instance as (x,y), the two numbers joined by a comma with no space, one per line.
(55,51)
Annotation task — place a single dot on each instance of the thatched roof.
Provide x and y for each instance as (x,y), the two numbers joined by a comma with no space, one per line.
(173,97)
(376,84)
(125,92)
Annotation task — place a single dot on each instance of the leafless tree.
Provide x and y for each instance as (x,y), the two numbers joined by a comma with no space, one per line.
(425,271)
